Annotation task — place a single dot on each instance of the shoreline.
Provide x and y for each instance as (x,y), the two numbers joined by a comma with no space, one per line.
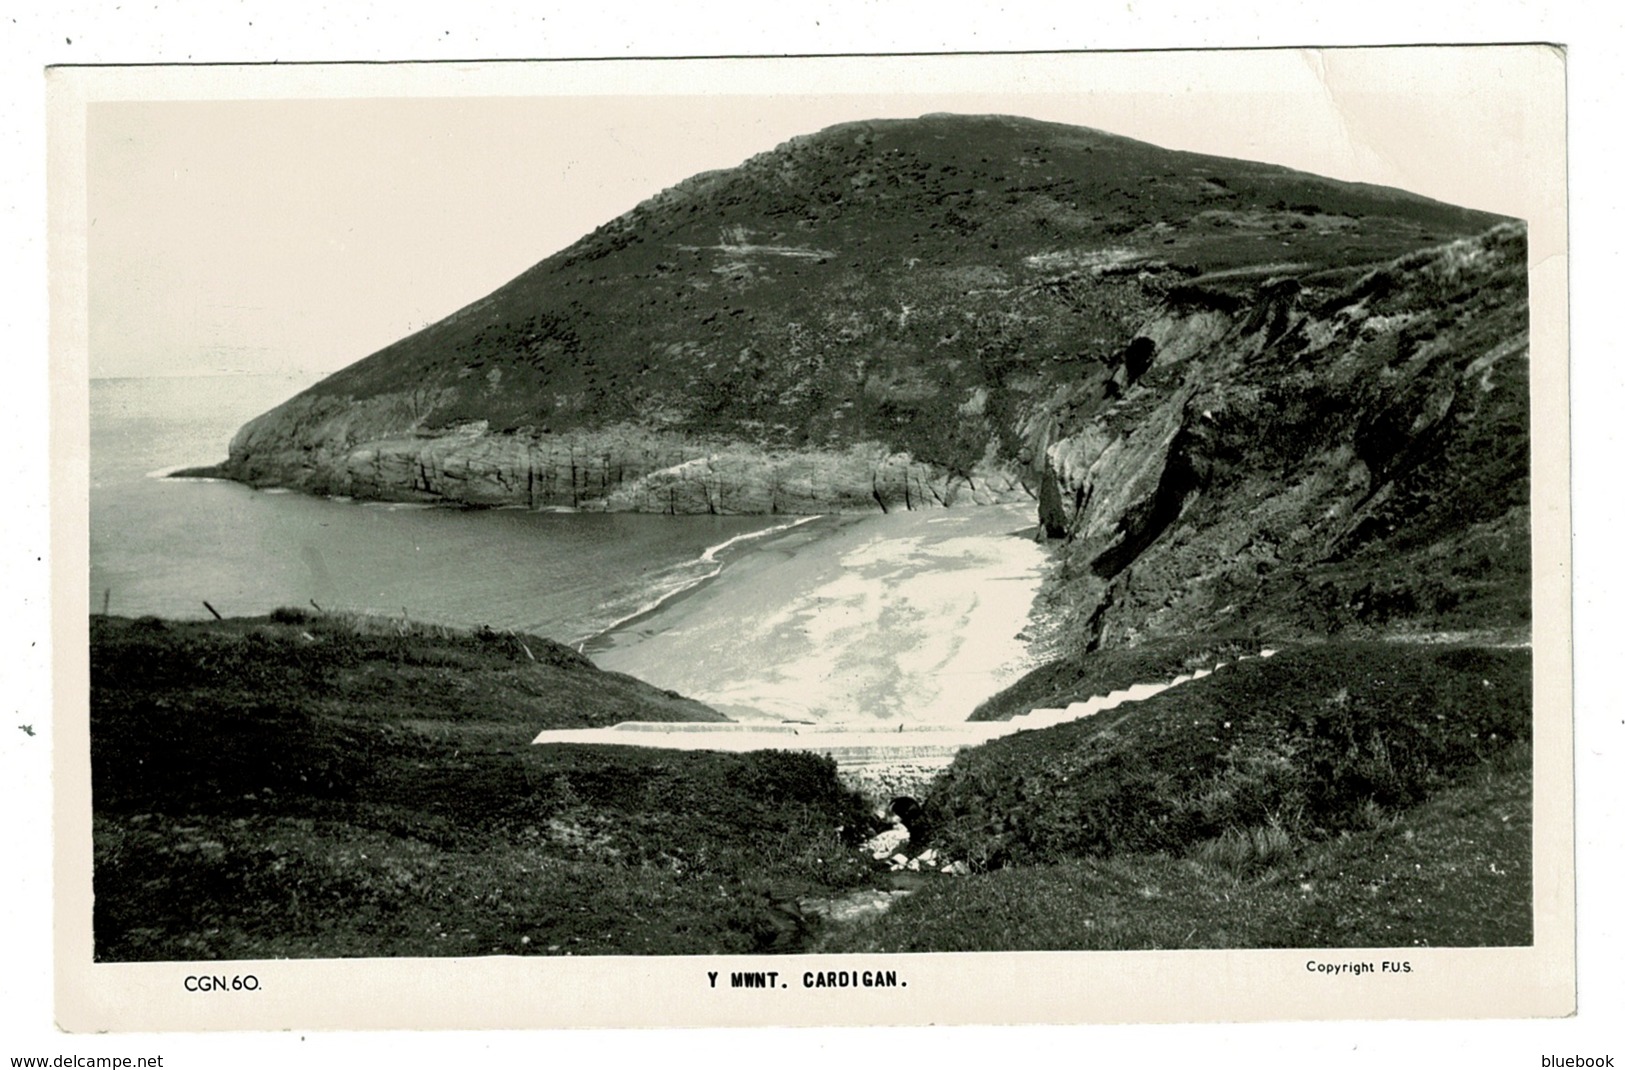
(605,638)
(899,618)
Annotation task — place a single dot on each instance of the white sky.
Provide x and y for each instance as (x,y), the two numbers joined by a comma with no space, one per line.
(303,234)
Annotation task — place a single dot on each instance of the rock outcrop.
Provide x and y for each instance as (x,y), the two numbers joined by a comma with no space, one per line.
(324,448)
(1316,460)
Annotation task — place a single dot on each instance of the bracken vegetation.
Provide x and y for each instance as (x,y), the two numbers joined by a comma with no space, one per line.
(1454,871)
(1342,795)
(1304,742)
(318,785)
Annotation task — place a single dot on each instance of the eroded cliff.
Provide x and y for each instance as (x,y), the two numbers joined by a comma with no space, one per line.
(1314,461)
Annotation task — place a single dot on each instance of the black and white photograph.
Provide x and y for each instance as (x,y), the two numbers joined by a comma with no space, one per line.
(822,527)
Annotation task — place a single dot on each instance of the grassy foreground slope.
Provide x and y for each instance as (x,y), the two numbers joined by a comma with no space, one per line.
(1453,872)
(251,803)
(1343,794)
(322,787)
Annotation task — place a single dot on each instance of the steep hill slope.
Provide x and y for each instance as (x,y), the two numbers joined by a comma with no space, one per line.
(878,315)
(1351,462)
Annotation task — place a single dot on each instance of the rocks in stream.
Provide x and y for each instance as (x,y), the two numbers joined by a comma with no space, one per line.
(889,846)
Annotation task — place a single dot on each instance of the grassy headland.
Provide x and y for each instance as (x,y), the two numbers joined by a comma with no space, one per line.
(879,315)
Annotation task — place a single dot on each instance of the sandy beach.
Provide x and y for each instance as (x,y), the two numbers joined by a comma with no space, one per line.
(907,617)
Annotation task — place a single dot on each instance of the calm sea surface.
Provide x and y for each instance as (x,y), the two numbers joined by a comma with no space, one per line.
(164,546)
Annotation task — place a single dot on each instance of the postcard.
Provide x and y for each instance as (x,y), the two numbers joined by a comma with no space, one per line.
(869,540)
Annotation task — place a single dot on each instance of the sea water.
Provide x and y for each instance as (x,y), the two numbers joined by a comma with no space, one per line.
(166,546)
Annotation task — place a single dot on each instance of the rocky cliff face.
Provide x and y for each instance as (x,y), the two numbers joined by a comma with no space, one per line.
(1310,461)
(354,450)
(883,315)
